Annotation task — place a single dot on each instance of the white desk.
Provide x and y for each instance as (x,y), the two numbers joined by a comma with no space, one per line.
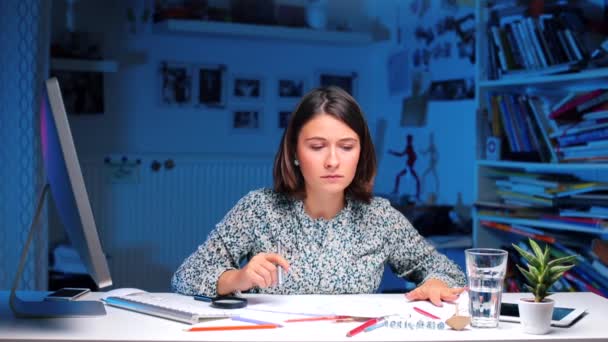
(123,325)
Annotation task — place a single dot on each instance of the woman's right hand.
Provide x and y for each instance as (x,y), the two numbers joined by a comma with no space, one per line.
(260,271)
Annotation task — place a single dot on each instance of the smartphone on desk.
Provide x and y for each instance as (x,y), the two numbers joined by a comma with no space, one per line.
(67,293)
(562,317)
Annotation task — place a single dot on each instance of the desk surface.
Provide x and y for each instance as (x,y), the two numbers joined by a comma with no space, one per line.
(123,325)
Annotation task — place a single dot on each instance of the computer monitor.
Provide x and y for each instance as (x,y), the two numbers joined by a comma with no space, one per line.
(66,183)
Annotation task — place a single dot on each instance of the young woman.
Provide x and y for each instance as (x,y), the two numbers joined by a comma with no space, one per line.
(335,237)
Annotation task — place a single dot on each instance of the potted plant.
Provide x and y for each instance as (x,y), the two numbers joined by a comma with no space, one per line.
(542,272)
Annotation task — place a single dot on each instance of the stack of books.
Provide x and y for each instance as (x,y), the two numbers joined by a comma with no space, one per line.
(522,45)
(573,128)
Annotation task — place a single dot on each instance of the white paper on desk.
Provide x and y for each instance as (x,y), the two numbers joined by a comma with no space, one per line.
(348,305)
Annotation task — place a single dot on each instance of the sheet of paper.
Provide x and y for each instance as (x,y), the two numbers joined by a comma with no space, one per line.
(348,305)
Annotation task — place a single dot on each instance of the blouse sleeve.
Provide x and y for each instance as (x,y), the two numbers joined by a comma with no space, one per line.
(231,239)
(413,257)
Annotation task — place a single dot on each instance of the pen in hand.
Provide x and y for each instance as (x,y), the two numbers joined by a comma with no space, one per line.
(279,268)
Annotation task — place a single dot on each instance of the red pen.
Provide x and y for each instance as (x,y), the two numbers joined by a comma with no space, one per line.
(427,314)
(363,326)
(317,318)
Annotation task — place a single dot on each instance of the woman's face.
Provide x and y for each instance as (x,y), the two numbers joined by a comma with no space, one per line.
(328,151)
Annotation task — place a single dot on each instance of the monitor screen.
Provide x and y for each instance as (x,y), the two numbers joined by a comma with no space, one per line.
(67,186)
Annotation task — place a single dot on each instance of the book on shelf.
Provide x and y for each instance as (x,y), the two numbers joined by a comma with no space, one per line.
(583,200)
(569,111)
(521,45)
(600,267)
(598,134)
(600,249)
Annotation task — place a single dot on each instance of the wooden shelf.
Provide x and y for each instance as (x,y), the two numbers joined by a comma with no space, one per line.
(237,30)
(84,65)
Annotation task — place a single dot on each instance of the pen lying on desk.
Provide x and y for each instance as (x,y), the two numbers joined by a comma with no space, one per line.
(235,327)
(364,326)
(317,318)
(425,313)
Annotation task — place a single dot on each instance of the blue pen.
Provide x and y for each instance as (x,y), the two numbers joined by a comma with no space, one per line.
(251,320)
(375,326)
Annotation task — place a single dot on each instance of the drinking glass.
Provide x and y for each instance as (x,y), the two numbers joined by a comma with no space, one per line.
(486,268)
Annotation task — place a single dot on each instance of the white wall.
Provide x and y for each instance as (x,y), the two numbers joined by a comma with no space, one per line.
(135,122)
(452,122)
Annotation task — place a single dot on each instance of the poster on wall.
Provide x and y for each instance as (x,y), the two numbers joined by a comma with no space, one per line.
(291,87)
(344,80)
(211,85)
(246,120)
(175,83)
(247,87)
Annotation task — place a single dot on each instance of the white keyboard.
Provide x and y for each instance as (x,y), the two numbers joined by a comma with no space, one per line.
(168,305)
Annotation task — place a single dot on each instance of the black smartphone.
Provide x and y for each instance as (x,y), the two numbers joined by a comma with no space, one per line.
(67,293)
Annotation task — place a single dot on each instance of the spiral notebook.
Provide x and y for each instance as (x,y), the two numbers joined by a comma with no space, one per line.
(168,305)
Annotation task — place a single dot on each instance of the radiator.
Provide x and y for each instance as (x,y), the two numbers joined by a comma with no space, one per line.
(149,221)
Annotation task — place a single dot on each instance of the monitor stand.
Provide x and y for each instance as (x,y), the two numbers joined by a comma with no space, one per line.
(42,308)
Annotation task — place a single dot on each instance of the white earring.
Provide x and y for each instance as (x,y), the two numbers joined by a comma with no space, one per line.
(296,162)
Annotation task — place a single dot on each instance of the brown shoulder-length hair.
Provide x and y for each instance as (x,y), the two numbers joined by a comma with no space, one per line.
(338,103)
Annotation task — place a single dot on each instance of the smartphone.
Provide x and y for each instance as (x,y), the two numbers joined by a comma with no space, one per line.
(67,293)
(562,317)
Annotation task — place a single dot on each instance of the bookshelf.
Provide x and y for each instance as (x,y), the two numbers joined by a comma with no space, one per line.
(516,102)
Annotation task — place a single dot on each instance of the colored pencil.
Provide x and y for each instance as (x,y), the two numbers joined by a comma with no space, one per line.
(235,327)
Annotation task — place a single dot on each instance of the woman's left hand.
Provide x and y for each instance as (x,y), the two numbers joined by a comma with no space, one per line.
(436,291)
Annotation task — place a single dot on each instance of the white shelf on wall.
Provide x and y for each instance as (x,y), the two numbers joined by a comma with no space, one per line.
(541,167)
(69,64)
(263,32)
(586,76)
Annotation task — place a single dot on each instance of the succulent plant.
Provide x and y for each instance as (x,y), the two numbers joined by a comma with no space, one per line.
(542,271)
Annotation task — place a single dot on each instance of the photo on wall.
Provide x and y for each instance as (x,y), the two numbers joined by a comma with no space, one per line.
(283,118)
(450,90)
(82,91)
(246,120)
(211,85)
(175,83)
(291,87)
(346,80)
(244,87)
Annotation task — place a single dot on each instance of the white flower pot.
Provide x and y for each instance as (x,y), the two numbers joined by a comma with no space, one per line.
(536,317)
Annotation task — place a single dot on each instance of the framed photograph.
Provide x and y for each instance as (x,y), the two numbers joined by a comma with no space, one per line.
(211,85)
(82,91)
(291,87)
(176,83)
(283,118)
(448,90)
(246,120)
(346,81)
(247,88)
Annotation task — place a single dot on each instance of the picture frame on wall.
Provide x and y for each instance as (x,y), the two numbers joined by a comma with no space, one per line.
(247,87)
(291,87)
(176,80)
(211,85)
(283,118)
(246,120)
(344,80)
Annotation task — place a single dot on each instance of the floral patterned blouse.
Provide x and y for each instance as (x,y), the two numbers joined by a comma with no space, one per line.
(343,255)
